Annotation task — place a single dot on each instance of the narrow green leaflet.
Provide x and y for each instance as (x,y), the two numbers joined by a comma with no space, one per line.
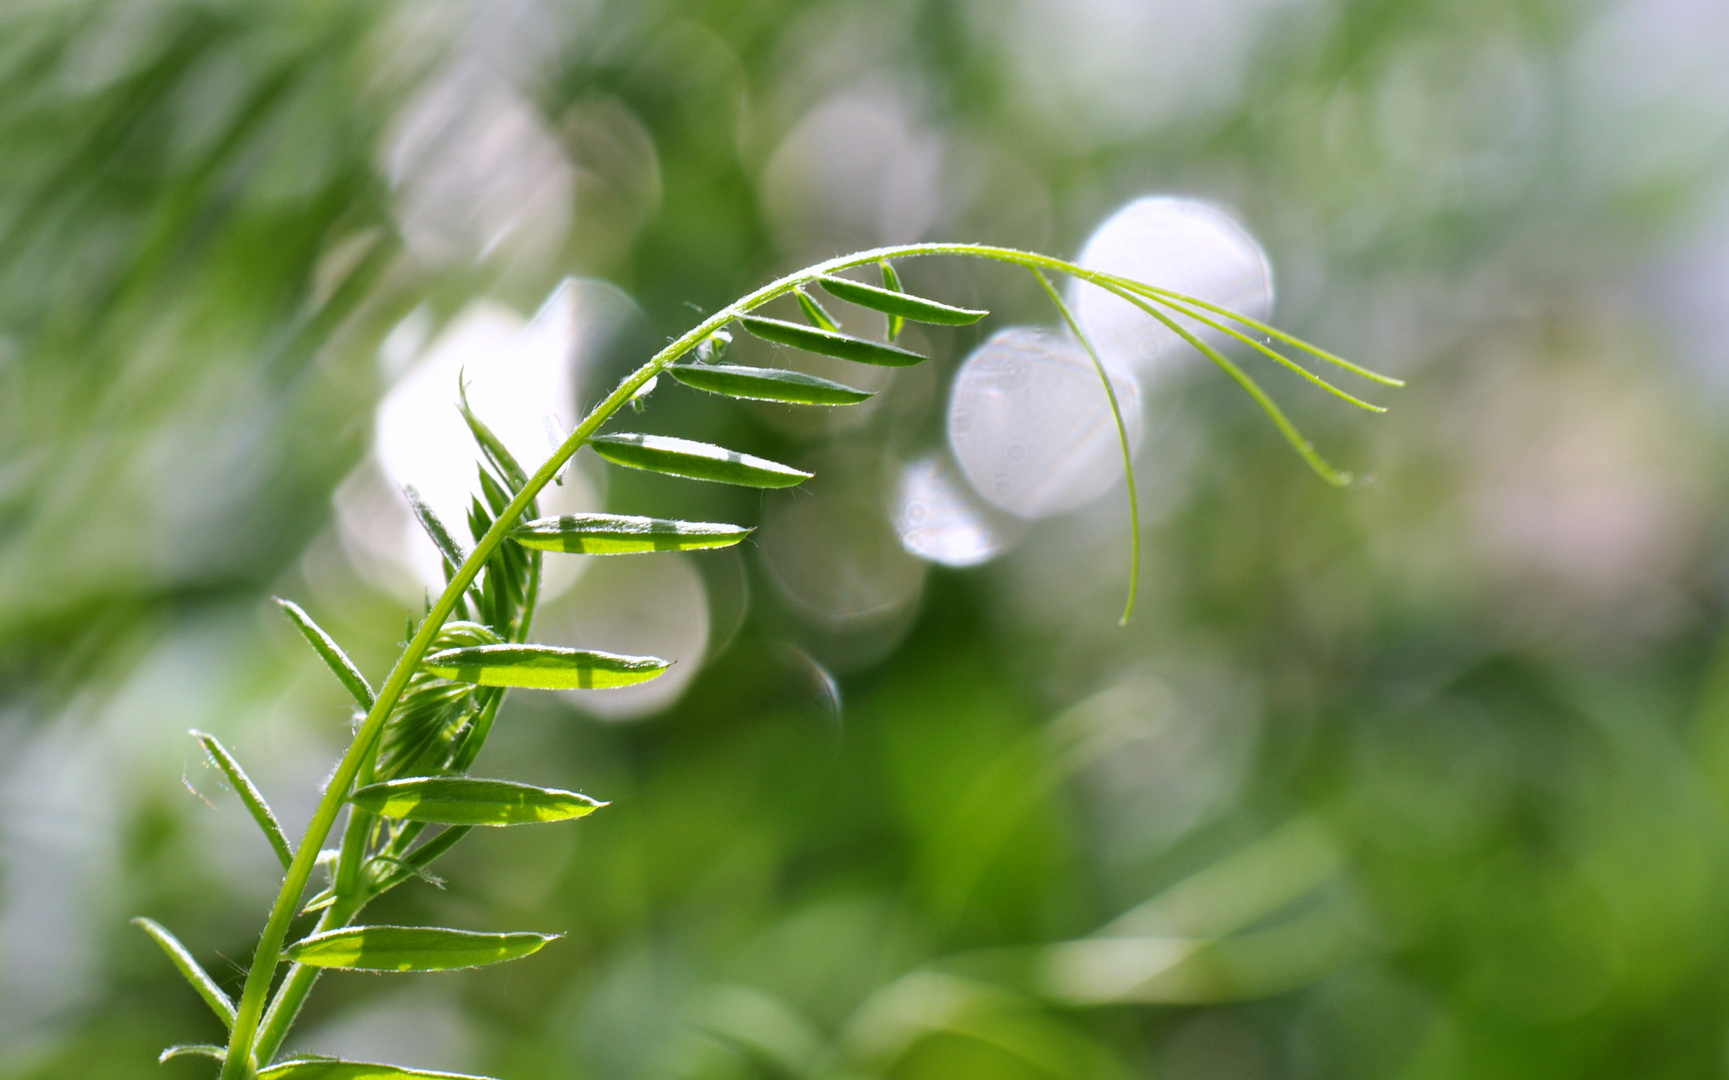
(543,667)
(815,313)
(895,302)
(188,967)
(463,800)
(767,384)
(695,460)
(441,538)
(335,1069)
(411,948)
(892,282)
(330,652)
(205,1050)
(828,343)
(249,794)
(624,534)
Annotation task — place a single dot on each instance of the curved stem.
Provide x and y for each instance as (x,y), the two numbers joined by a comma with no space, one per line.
(240,1062)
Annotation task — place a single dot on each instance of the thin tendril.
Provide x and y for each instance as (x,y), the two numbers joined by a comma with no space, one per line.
(1276,355)
(1255,324)
(1122,437)
(1289,430)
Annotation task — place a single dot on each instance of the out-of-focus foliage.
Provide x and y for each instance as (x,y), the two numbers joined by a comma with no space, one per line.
(1426,778)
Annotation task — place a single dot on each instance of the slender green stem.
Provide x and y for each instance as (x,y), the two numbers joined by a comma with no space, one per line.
(1122,437)
(241,1060)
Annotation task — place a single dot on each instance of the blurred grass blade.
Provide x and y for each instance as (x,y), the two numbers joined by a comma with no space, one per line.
(695,460)
(333,1069)
(330,652)
(463,800)
(411,948)
(441,539)
(815,312)
(205,1050)
(842,346)
(183,961)
(767,384)
(249,794)
(542,667)
(892,283)
(899,304)
(624,534)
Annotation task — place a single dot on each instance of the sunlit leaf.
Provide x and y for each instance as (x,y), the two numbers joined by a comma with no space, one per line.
(695,461)
(895,302)
(188,967)
(335,1069)
(490,443)
(624,534)
(330,652)
(814,312)
(411,948)
(542,667)
(205,1050)
(892,282)
(828,343)
(249,794)
(463,800)
(767,384)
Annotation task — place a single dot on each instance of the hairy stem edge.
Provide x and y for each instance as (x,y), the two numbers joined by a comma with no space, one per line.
(240,1062)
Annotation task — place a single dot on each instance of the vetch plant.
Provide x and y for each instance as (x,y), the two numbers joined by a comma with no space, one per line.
(404,778)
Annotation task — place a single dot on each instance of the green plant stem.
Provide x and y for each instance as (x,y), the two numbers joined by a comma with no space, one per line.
(241,1061)
(1122,437)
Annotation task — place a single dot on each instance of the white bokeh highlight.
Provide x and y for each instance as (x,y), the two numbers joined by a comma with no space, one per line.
(521,379)
(1031,426)
(1184,245)
(942,520)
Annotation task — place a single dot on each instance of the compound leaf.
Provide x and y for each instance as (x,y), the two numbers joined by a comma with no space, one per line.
(829,343)
(463,800)
(188,967)
(411,948)
(695,461)
(623,534)
(543,667)
(249,794)
(330,652)
(767,384)
(893,302)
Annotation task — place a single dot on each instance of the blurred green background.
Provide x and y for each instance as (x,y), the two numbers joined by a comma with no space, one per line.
(1425,778)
